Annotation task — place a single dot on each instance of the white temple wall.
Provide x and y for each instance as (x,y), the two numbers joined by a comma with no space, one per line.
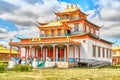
(22,52)
(33,52)
(70,52)
(100,44)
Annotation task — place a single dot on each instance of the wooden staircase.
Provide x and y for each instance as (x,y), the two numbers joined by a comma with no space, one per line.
(91,63)
(97,64)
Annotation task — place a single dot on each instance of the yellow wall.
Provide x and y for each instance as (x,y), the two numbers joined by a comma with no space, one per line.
(116,51)
(5,50)
(49,32)
(56,32)
(62,32)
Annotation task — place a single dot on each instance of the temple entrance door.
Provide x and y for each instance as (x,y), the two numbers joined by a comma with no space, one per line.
(39,53)
(50,53)
(60,54)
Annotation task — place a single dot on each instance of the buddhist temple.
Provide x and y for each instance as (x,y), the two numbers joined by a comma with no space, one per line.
(5,53)
(67,41)
(116,55)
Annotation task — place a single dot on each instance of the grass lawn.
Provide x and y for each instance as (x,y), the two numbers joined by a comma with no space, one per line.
(64,74)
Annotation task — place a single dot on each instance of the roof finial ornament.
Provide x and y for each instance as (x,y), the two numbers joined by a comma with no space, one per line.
(10,39)
(72,6)
(76,6)
(67,6)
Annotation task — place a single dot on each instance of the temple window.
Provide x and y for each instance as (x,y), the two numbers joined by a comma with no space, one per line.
(114,53)
(106,53)
(97,32)
(64,32)
(103,52)
(68,32)
(47,33)
(85,28)
(64,17)
(59,32)
(99,51)
(76,27)
(110,53)
(53,33)
(67,16)
(94,50)
(92,30)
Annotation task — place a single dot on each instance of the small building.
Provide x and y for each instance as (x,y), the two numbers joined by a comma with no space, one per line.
(68,40)
(116,55)
(5,53)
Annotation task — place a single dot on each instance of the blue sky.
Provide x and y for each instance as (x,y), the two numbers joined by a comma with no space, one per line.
(17,17)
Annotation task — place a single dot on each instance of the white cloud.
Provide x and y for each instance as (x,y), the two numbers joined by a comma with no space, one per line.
(3,30)
(4,43)
(109,16)
(27,12)
(25,15)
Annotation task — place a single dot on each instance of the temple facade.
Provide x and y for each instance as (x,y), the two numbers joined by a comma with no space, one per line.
(69,39)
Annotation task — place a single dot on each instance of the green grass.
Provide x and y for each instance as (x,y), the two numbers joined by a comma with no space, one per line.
(64,74)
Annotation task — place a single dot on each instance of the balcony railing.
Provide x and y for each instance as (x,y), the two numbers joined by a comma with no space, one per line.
(44,36)
(77,32)
(61,35)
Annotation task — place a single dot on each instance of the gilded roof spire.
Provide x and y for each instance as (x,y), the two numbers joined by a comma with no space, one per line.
(72,6)
(10,39)
(67,6)
(76,6)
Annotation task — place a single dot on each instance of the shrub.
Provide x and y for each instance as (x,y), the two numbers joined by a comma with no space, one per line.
(16,67)
(3,67)
(22,68)
(31,68)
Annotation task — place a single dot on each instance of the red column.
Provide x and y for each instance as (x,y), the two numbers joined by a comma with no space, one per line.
(45,54)
(67,54)
(79,54)
(54,53)
(30,52)
(35,53)
(49,52)
(10,51)
(60,53)
(19,52)
(74,53)
(41,52)
(25,53)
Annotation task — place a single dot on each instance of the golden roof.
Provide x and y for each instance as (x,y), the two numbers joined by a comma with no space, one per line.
(54,23)
(5,50)
(69,9)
